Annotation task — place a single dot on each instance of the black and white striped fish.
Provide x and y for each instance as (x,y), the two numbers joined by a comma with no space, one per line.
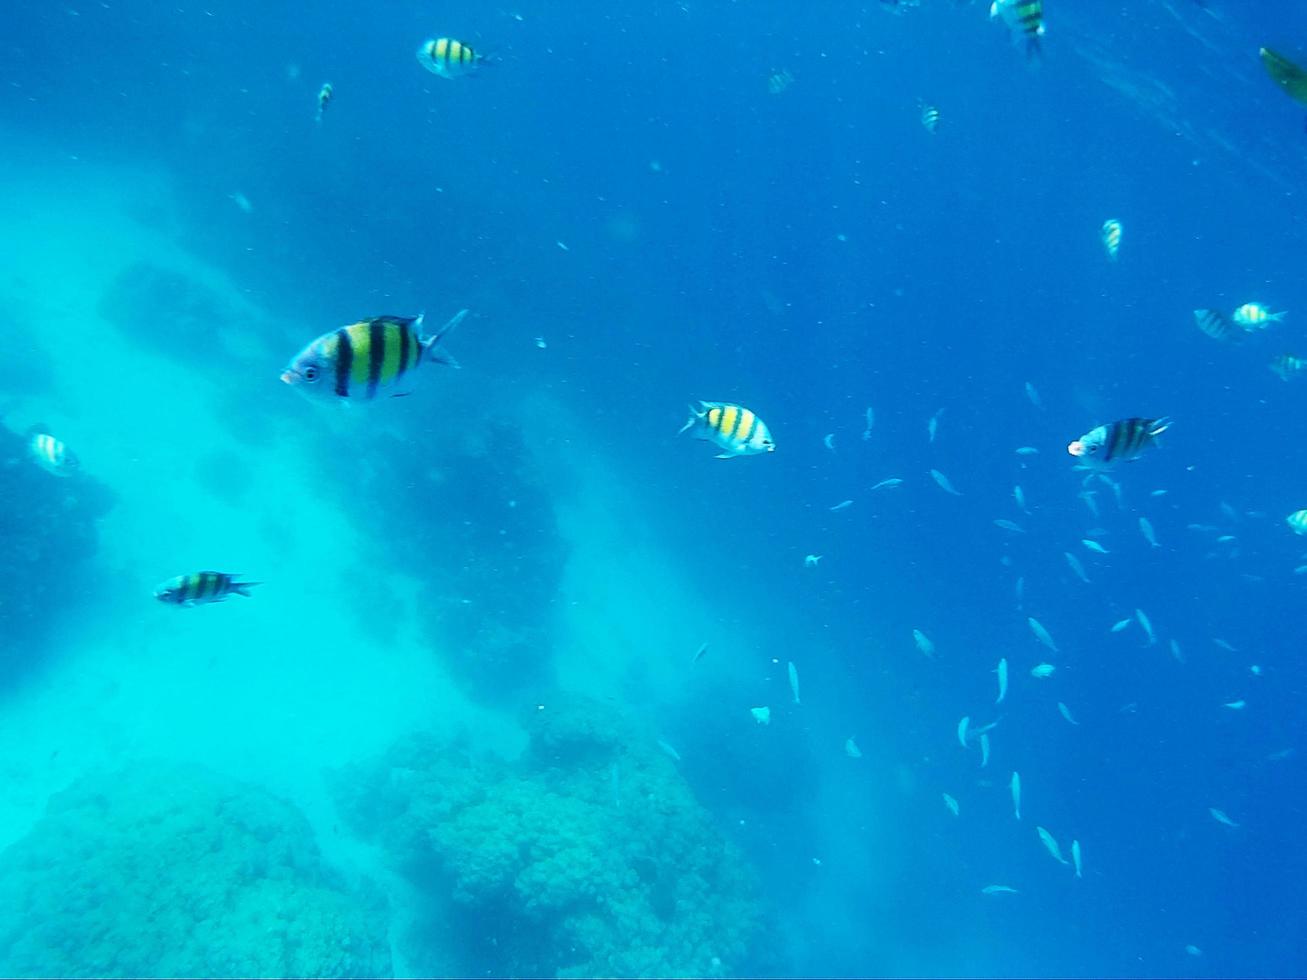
(1108,444)
(200,587)
(360,360)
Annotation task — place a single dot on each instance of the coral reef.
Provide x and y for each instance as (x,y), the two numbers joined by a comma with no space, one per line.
(171,870)
(47,536)
(587,857)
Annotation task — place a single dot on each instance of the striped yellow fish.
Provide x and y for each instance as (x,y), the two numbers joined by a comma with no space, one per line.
(200,587)
(359,360)
(1111,235)
(1026,16)
(448,58)
(1216,325)
(51,454)
(1289,366)
(734,428)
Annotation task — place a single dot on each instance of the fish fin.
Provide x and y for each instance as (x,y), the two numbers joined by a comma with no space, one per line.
(1160,425)
(695,415)
(1034,50)
(431,344)
(243,588)
(727,455)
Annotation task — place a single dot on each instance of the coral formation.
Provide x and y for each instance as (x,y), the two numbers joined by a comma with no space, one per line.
(587,857)
(47,536)
(171,870)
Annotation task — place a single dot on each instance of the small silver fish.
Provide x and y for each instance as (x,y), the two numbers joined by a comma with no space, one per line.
(1042,671)
(1118,626)
(999,890)
(1033,395)
(1094,546)
(1001,670)
(1019,496)
(1146,529)
(1237,705)
(984,750)
(794,680)
(871,421)
(888,484)
(1076,567)
(1006,525)
(851,749)
(1027,451)
(923,643)
(1221,817)
(1147,625)
(1041,634)
(842,505)
(943,482)
(932,426)
(1065,712)
(962,730)
(1075,857)
(1051,845)
(952,804)
(1015,787)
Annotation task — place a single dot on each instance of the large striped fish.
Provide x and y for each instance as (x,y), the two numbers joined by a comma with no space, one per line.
(732,427)
(448,58)
(1026,16)
(198,587)
(1108,444)
(360,360)
(51,454)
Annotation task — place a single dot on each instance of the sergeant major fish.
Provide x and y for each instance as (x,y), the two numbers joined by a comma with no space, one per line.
(50,454)
(1111,235)
(448,58)
(201,587)
(733,428)
(1124,439)
(1215,324)
(360,360)
(324,99)
(1026,16)
(1255,316)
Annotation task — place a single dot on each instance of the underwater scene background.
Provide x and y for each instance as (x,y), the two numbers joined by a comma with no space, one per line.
(491,708)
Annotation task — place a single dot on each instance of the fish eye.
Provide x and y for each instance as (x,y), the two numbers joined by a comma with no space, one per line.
(310,373)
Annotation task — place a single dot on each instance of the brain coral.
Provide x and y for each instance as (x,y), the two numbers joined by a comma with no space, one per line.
(172,870)
(588,857)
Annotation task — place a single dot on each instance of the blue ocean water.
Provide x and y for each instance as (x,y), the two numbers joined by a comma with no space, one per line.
(459,728)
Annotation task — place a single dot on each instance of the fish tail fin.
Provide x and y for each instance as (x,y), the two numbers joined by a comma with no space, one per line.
(243,588)
(695,415)
(1278,317)
(1034,49)
(432,344)
(1160,425)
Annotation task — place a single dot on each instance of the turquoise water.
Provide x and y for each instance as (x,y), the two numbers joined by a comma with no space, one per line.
(462,725)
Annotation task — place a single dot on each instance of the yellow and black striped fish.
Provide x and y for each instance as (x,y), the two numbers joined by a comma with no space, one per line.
(1216,325)
(1124,439)
(1289,366)
(448,58)
(198,587)
(359,360)
(930,118)
(1026,16)
(51,454)
(324,99)
(738,431)
(1111,235)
